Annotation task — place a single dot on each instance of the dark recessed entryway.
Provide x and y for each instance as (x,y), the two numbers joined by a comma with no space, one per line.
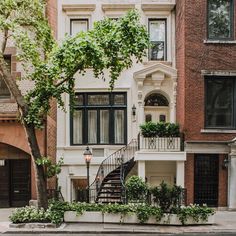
(206,179)
(15,187)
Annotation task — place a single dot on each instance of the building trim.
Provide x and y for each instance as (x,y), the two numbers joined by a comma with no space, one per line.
(157,6)
(78,7)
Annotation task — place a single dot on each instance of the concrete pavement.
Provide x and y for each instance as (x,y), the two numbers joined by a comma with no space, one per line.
(225,223)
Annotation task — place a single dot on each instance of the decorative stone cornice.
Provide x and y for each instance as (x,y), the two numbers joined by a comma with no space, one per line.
(78,7)
(117,7)
(158,6)
(155,70)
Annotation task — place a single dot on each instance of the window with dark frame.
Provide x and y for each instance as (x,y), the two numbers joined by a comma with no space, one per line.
(220,19)
(78,25)
(4,91)
(220,105)
(99,118)
(157,34)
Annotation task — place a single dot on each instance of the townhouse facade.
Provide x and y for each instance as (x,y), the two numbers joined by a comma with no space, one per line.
(107,122)
(17,184)
(206,56)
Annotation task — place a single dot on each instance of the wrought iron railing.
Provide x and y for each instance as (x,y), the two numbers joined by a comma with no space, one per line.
(112,162)
(160,144)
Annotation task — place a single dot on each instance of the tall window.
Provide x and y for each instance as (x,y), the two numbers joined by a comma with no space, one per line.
(4,91)
(78,25)
(220,19)
(157,33)
(99,118)
(219,102)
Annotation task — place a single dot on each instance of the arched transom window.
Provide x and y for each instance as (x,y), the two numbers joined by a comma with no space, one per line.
(156,99)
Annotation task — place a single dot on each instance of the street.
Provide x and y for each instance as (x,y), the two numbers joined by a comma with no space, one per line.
(109,234)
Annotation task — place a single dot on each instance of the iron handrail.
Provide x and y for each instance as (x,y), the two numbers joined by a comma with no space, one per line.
(112,162)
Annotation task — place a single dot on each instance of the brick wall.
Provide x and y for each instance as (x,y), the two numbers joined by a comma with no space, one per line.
(194,57)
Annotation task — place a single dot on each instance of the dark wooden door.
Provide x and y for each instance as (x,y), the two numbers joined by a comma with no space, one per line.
(4,184)
(206,177)
(20,182)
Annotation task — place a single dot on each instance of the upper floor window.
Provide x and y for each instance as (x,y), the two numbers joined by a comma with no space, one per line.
(78,25)
(220,19)
(219,102)
(157,33)
(99,118)
(4,91)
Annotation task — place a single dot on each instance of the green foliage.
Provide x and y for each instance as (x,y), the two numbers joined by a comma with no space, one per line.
(160,129)
(144,211)
(195,212)
(56,210)
(29,214)
(136,189)
(167,197)
(51,169)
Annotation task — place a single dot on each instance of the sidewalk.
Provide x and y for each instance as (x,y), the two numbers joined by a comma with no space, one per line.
(225,223)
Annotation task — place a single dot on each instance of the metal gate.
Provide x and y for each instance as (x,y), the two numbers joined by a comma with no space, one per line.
(206,178)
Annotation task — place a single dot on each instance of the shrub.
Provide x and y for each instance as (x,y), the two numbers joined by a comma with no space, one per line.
(136,189)
(167,197)
(29,214)
(195,212)
(160,129)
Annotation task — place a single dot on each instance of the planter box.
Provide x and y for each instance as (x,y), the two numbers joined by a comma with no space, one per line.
(99,217)
(88,216)
(172,219)
(33,225)
(119,218)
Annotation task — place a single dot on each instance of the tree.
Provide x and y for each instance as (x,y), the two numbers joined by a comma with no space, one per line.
(111,45)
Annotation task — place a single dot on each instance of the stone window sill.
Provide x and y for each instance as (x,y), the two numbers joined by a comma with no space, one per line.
(209,41)
(218,131)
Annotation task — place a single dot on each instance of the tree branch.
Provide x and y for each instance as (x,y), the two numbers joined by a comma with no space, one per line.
(62,81)
(4,43)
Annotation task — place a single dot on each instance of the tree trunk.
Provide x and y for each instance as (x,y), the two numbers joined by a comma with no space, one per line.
(41,181)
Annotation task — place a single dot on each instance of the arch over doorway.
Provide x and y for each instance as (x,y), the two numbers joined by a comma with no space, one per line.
(156,108)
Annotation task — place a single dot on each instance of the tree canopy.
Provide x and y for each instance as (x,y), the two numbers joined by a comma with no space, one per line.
(110,45)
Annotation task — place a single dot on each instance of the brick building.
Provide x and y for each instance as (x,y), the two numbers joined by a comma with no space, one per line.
(206,63)
(17,184)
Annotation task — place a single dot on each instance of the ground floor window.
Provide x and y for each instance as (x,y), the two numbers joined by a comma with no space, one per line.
(99,118)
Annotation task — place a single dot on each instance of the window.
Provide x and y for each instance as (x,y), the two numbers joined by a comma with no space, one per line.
(99,118)
(4,91)
(156,99)
(78,25)
(157,34)
(220,19)
(219,102)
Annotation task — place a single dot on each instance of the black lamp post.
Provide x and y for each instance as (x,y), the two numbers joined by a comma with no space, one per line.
(87,157)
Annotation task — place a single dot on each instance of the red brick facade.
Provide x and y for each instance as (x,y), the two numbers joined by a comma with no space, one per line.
(12,134)
(194,55)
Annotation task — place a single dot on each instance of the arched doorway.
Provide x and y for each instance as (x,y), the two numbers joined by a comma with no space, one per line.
(15,176)
(156,108)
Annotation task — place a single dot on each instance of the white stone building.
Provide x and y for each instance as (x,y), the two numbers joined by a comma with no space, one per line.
(108,122)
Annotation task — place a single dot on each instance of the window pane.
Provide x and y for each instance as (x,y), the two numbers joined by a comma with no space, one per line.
(219,19)
(78,25)
(77,127)
(101,99)
(4,91)
(79,99)
(104,126)
(119,126)
(157,32)
(219,102)
(119,99)
(92,126)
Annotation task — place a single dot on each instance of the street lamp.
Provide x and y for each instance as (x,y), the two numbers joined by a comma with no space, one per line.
(87,157)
